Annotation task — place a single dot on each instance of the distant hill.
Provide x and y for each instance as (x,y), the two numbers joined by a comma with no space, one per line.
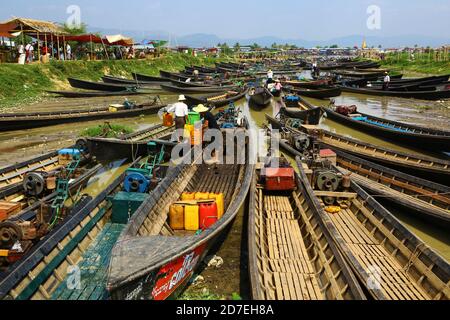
(209,40)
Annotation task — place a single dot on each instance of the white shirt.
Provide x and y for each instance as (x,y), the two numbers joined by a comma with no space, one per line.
(29,47)
(21,49)
(180,109)
(387,79)
(69,49)
(270,74)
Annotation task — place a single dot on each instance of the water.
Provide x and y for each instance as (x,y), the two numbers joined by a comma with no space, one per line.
(19,145)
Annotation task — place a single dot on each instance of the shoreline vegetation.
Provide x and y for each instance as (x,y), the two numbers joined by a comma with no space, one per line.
(25,84)
(418,64)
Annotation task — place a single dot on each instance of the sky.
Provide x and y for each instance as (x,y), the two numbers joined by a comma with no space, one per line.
(290,19)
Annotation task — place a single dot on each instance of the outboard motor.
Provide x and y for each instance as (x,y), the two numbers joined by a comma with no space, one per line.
(327,180)
(36,183)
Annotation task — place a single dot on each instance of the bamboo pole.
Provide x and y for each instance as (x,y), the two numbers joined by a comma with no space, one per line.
(92,47)
(38,46)
(65,48)
(57,42)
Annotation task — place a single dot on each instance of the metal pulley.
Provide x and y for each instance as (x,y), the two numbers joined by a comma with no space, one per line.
(301,142)
(328,181)
(10,233)
(34,183)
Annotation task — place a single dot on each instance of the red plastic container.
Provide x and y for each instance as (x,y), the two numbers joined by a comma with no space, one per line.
(208,215)
(279,179)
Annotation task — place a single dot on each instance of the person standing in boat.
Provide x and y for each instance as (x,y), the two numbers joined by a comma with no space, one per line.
(386,82)
(270,77)
(181,111)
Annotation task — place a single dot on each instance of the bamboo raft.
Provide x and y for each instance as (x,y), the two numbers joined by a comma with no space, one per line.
(291,251)
(392,262)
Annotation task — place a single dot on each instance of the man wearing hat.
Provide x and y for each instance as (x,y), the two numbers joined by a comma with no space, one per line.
(386,82)
(181,111)
(207,116)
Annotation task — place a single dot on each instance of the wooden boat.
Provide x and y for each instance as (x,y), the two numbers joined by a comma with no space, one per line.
(298,108)
(431,168)
(193,90)
(100,86)
(359,74)
(292,254)
(139,269)
(429,80)
(426,199)
(387,258)
(308,84)
(424,95)
(93,94)
(87,228)
(323,93)
(415,136)
(147,78)
(260,97)
(205,84)
(133,82)
(217,100)
(19,121)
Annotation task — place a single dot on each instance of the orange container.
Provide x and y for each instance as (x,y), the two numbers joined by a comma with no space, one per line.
(208,215)
(188,196)
(202,196)
(220,201)
(168,119)
(176,217)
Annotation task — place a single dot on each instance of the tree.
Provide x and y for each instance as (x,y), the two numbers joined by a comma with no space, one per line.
(255,46)
(334,46)
(75,30)
(274,45)
(237,47)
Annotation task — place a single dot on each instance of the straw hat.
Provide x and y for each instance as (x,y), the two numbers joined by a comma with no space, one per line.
(200,109)
(181,97)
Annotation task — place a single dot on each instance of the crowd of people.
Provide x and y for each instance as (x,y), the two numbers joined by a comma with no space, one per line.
(26,54)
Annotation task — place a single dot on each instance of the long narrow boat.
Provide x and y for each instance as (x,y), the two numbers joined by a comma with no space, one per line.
(10,122)
(205,84)
(292,255)
(139,269)
(133,82)
(387,258)
(426,199)
(415,136)
(322,93)
(434,79)
(298,108)
(99,86)
(432,168)
(217,100)
(14,174)
(94,94)
(260,97)
(147,78)
(424,95)
(180,90)
(43,270)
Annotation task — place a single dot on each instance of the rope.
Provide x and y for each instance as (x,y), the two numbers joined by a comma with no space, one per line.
(413,258)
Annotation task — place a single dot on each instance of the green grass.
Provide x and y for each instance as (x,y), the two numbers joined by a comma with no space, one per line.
(22,84)
(421,64)
(106,131)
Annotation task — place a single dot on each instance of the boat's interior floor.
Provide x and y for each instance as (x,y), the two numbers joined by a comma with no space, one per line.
(93,268)
(213,179)
(387,273)
(288,271)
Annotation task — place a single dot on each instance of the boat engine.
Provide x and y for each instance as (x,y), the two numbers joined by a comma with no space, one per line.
(301,142)
(36,183)
(327,180)
(137,181)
